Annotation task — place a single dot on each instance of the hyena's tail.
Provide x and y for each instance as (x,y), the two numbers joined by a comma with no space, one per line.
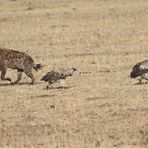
(37,66)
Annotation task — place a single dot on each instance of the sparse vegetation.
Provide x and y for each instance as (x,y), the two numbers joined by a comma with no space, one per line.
(92,62)
(103,108)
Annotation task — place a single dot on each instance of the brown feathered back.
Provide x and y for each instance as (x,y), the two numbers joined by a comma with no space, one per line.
(57,75)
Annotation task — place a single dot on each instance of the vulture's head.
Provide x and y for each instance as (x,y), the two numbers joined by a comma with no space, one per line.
(71,71)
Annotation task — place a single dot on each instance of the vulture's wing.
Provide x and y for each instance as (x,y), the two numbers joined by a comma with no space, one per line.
(139,69)
(140,63)
(53,76)
(48,76)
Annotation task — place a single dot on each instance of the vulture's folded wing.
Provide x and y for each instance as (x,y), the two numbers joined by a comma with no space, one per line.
(48,76)
(139,64)
(139,69)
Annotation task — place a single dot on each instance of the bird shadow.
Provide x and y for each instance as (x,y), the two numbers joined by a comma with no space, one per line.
(59,87)
(44,96)
(143,83)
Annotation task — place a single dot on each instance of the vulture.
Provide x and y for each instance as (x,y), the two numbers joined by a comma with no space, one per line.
(55,75)
(139,70)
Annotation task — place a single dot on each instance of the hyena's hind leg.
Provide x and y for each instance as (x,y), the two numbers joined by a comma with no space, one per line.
(19,76)
(28,72)
(3,73)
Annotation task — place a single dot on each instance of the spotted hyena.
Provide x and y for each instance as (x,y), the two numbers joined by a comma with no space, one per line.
(20,61)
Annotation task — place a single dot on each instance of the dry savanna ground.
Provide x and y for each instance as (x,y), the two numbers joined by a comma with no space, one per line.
(102,107)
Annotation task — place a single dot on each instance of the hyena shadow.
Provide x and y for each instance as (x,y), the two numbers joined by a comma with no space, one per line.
(19,84)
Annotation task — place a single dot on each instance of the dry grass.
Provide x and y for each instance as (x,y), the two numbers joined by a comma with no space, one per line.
(102,107)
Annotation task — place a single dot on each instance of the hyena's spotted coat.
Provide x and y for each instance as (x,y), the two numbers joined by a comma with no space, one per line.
(20,61)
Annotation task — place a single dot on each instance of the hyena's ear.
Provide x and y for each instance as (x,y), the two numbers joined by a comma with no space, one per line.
(38,66)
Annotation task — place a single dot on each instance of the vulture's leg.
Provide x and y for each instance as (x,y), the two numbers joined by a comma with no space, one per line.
(144,77)
(62,83)
(140,80)
(49,85)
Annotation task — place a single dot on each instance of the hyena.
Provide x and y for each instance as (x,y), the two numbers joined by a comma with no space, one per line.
(20,61)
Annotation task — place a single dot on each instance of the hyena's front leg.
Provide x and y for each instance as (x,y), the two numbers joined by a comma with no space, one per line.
(3,73)
(19,76)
